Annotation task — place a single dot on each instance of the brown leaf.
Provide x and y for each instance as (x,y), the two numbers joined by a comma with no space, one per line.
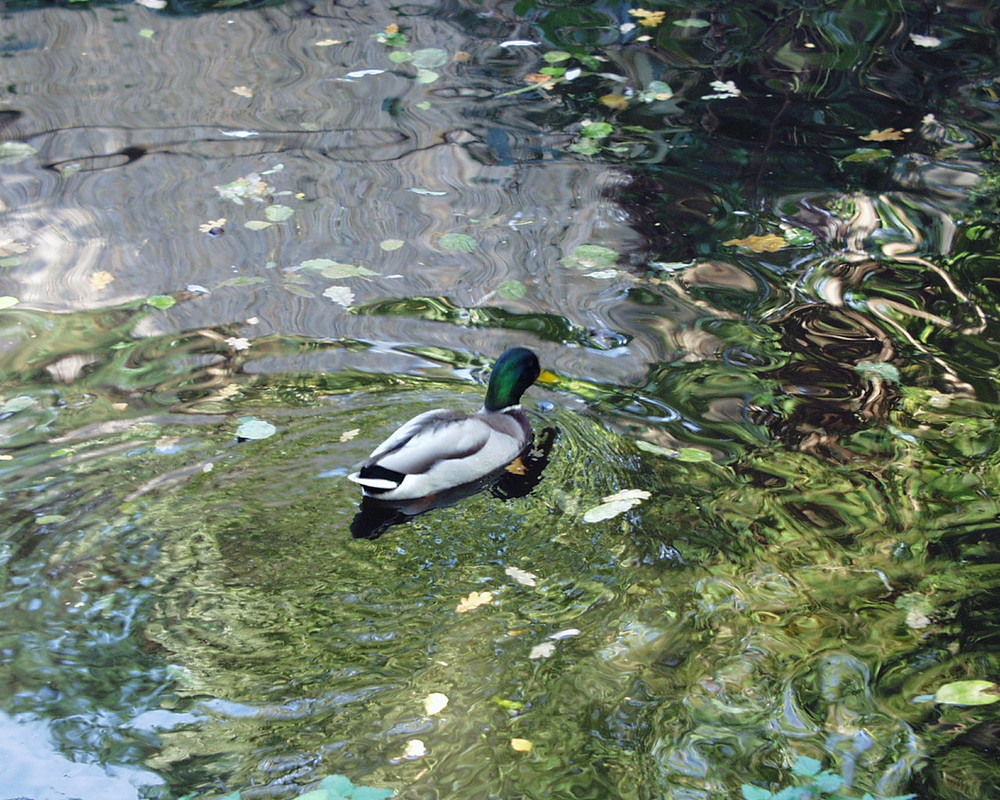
(768,243)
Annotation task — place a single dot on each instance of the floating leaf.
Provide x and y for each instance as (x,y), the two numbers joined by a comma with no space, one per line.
(885,371)
(400,56)
(278,213)
(211,225)
(249,186)
(238,342)
(6,301)
(336,271)
(434,703)
(459,242)
(693,455)
(415,748)
(589,256)
(256,224)
(614,101)
(426,192)
(10,261)
(512,290)
(50,519)
(797,237)
(242,91)
(364,73)
(521,745)
(615,504)
(522,577)
(865,154)
(648,18)
(327,42)
(429,58)
(254,428)
(391,244)
(768,243)
(161,301)
(723,90)
(542,650)
(100,280)
(887,135)
(555,56)
(925,41)
(147,33)
(426,76)
(346,436)
(340,294)
(472,601)
(597,130)
(968,693)
(692,23)
(15,152)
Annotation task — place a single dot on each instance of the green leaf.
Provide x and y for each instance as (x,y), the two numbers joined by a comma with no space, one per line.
(691,23)
(278,213)
(591,256)
(804,766)
(597,130)
(391,244)
(866,154)
(431,57)
(968,693)
(161,301)
(799,236)
(555,56)
(147,33)
(656,449)
(10,261)
(459,242)
(256,224)
(512,290)
(337,271)
(15,404)
(586,147)
(555,72)
(50,519)
(693,454)
(426,76)
(254,428)
(400,56)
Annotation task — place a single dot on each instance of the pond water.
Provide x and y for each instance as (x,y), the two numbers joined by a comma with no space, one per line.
(755,248)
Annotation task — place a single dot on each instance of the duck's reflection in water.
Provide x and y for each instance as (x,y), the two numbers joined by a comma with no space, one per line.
(514,480)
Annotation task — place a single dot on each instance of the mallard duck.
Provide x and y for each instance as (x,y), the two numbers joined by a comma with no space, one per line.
(442,449)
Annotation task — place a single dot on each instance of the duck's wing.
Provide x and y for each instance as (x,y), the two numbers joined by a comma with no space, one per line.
(429,438)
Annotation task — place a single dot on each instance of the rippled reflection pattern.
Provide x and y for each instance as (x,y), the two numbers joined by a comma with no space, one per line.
(215,215)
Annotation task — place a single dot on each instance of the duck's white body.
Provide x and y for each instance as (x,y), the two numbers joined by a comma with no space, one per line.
(441,449)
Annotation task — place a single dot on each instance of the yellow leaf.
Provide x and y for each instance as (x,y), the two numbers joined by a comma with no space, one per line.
(100,280)
(521,745)
(211,225)
(516,467)
(435,702)
(615,101)
(648,18)
(768,243)
(328,42)
(887,135)
(346,436)
(474,600)
(391,29)
(242,91)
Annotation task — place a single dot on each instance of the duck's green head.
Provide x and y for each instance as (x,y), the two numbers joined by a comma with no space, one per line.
(513,373)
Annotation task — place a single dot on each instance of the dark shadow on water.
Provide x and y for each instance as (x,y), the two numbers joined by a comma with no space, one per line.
(376,516)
